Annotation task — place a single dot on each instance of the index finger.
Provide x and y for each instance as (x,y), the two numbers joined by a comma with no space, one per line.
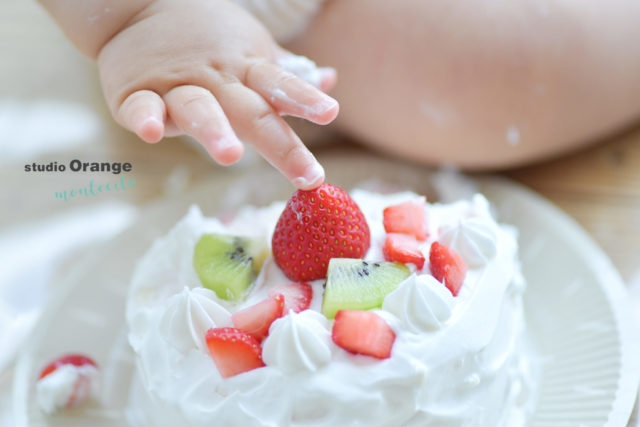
(255,122)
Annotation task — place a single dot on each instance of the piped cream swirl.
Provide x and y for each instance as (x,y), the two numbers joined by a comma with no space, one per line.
(188,317)
(475,239)
(420,302)
(298,341)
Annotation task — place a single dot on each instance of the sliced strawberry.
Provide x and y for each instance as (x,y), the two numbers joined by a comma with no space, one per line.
(447,266)
(255,320)
(316,226)
(363,332)
(70,359)
(76,384)
(297,296)
(407,218)
(233,351)
(403,248)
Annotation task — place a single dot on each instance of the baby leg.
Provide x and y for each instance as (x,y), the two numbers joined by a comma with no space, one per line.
(481,85)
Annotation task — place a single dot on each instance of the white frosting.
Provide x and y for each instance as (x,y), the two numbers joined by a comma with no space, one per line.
(474,238)
(188,317)
(455,361)
(302,67)
(420,302)
(54,391)
(298,342)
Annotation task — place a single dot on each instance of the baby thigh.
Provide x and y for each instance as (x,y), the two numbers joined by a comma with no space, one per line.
(479,84)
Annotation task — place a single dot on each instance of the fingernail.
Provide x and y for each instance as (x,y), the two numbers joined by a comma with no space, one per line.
(226,142)
(326,104)
(226,150)
(312,177)
(223,140)
(324,111)
(151,120)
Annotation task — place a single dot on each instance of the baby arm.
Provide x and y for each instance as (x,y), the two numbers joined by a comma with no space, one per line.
(205,68)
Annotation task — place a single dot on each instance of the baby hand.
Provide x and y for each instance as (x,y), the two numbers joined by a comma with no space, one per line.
(206,68)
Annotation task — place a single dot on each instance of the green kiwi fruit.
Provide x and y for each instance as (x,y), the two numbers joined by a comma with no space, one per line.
(228,264)
(354,284)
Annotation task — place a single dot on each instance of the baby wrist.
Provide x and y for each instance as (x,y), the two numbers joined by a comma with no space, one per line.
(90,24)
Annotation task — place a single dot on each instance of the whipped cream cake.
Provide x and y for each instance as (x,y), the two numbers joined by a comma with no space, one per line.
(330,310)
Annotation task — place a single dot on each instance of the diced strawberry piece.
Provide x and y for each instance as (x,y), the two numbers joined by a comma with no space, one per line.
(315,226)
(407,218)
(403,248)
(447,266)
(70,359)
(255,320)
(297,296)
(233,351)
(76,387)
(363,332)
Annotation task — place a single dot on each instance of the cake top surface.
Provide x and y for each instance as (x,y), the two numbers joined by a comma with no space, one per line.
(431,326)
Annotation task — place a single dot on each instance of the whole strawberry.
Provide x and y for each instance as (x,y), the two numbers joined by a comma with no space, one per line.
(314,227)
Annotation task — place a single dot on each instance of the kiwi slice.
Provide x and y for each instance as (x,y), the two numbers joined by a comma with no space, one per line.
(354,284)
(259,250)
(227,264)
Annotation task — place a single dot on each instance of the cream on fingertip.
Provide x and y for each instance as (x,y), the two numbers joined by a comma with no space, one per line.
(302,67)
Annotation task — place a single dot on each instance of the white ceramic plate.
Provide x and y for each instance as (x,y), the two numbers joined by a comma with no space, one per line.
(576,306)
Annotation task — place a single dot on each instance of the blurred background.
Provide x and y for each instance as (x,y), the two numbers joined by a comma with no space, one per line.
(51,109)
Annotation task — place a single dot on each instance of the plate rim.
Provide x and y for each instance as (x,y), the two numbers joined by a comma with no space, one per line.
(611,283)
